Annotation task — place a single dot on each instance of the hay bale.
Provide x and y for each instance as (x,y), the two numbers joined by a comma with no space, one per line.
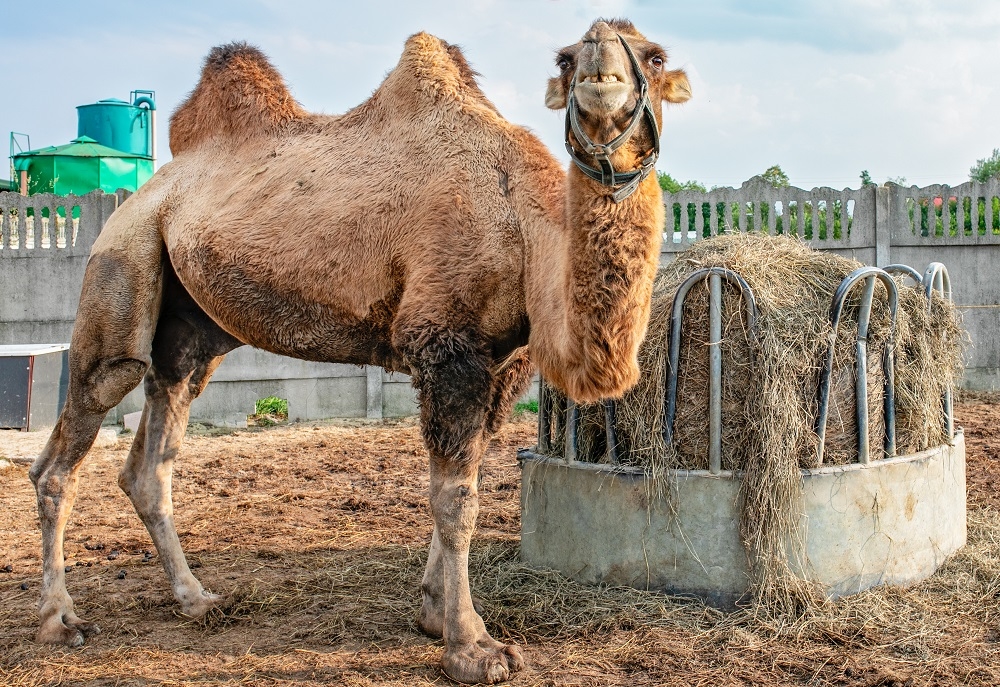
(769,390)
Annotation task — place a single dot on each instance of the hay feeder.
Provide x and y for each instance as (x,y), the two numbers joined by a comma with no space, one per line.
(884,519)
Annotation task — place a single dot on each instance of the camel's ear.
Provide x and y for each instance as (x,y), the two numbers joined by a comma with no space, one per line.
(677,88)
(555,94)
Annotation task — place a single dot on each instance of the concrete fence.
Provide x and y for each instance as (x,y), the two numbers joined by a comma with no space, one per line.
(45,242)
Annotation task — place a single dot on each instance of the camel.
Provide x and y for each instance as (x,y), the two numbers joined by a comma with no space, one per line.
(419,231)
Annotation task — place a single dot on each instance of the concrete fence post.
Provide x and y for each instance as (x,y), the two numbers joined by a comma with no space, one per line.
(883,227)
(374,374)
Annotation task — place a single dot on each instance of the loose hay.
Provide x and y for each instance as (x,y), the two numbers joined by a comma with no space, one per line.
(356,586)
(769,390)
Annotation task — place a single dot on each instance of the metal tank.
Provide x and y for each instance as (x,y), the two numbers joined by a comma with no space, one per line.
(128,127)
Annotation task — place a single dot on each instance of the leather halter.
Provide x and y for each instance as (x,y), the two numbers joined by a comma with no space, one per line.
(623,184)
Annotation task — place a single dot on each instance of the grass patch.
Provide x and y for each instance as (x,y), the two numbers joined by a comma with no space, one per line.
(528,407)
(269,411)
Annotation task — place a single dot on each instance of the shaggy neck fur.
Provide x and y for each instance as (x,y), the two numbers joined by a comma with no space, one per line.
(588,286)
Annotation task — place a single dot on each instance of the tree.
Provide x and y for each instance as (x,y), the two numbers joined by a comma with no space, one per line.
(775,176)
(987,168)
(671,185)
(866,178)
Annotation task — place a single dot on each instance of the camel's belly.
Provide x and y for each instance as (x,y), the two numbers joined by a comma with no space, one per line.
(275,301)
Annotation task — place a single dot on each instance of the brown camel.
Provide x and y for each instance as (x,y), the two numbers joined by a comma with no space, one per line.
(419,231)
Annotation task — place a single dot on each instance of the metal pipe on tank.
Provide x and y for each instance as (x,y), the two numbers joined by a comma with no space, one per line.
(151,106)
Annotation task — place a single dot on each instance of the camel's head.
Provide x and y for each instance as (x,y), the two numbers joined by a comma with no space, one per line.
(613,83)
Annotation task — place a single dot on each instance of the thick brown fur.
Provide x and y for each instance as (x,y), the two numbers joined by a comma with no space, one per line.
(239,94)
(419,231)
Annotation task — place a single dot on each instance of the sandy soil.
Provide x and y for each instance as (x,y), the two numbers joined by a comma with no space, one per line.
(318,534)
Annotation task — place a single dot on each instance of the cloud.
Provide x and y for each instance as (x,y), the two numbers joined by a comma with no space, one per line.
(846,26)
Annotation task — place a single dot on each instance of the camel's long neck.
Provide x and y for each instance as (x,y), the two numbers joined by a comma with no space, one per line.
(588,288)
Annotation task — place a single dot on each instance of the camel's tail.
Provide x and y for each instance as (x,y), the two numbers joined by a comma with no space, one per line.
(240,95)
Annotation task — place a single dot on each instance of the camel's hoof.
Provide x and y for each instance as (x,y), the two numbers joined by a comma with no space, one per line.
(476,664)
(201,605)
(67,633)
(431,623)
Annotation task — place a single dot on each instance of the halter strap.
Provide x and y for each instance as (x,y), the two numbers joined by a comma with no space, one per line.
(623,184)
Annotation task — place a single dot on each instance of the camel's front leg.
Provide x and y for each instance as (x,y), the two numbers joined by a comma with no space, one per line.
(452,370)
(431,618)
(510,380)
(471,654)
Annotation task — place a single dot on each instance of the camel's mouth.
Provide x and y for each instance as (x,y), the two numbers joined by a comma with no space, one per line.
(603,93)
(600,78)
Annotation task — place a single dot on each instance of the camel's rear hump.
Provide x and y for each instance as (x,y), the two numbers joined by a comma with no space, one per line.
(240,95)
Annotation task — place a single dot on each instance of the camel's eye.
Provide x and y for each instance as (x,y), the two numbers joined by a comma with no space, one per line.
(656,61)
(563,63)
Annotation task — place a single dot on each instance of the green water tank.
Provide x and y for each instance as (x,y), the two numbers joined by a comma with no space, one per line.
(120,125)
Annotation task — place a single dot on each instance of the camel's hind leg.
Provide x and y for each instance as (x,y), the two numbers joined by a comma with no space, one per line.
(108,356)
(187,349)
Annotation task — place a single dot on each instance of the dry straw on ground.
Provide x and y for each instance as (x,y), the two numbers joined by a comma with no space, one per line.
(318,536)
(769,390)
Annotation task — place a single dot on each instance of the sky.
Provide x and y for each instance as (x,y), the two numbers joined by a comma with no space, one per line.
(902,88)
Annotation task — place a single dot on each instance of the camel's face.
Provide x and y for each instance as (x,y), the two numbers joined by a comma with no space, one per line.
(603,79)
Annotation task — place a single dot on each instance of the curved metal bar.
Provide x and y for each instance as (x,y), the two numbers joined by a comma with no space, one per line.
(716,275)
(936,279)
(714,373)
(544,416)
(610,429)
(868,274)
(572,430)
(905,270)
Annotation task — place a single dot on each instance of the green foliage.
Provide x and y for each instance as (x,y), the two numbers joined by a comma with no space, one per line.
(987,168)
(528,407)
(273,406)
(775,176)
(816,220)
(928,217)
(671,185)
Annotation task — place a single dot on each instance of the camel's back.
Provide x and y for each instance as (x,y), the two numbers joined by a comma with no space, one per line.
(413,194)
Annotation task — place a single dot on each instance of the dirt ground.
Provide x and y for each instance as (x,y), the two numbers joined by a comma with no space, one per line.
(318,533)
